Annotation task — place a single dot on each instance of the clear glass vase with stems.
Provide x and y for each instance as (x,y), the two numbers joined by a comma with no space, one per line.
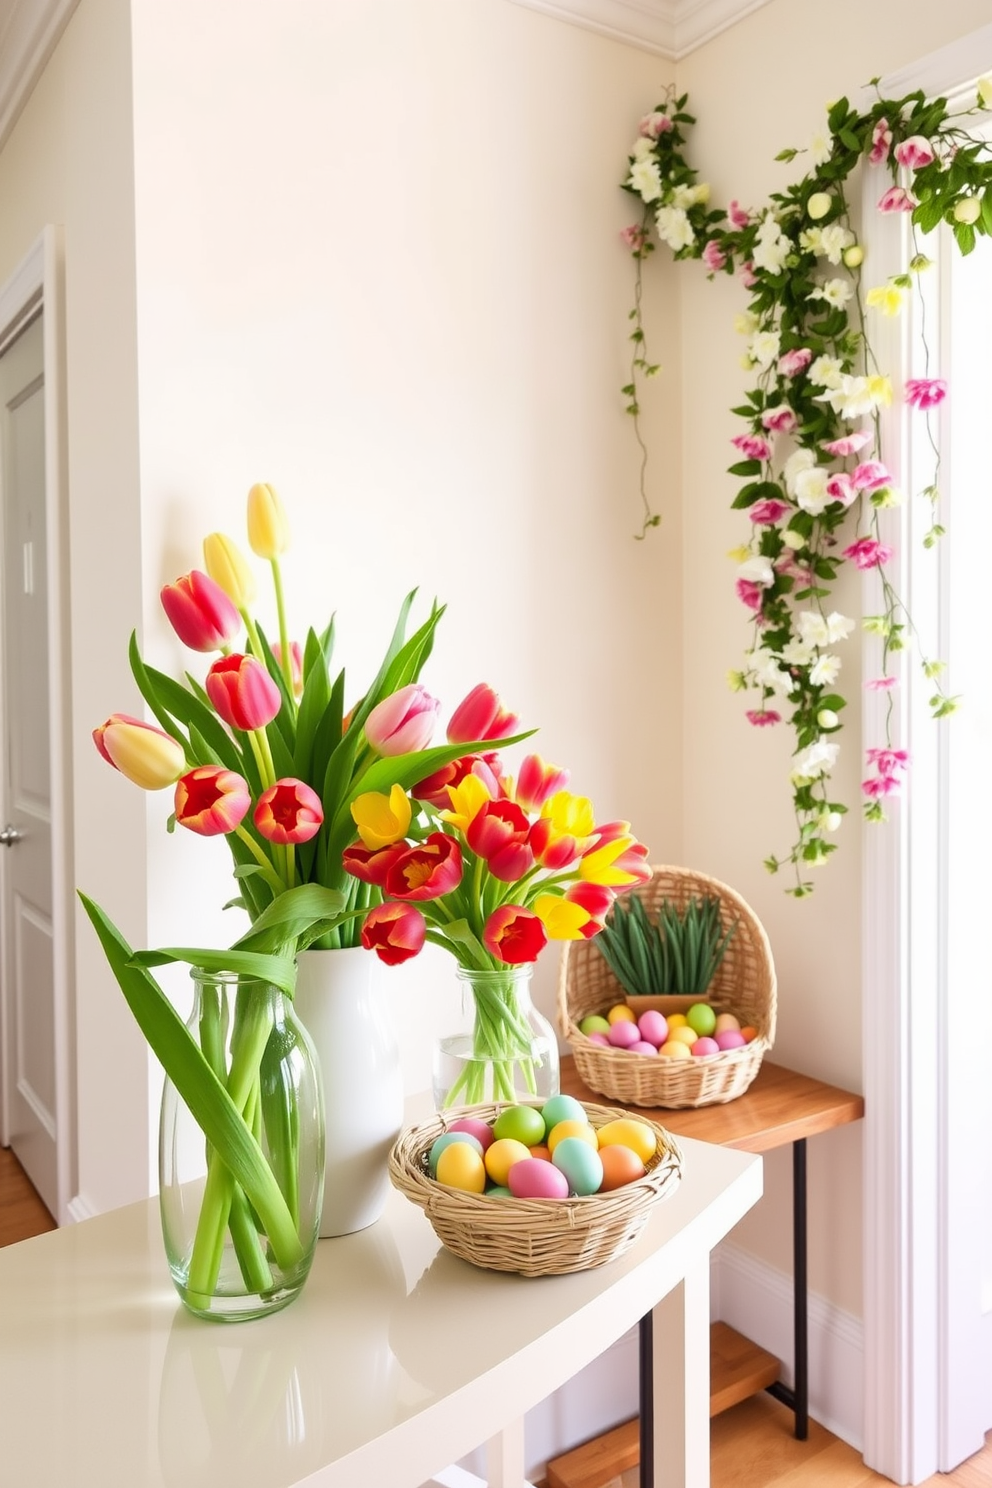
(229,1261)
(506,1050)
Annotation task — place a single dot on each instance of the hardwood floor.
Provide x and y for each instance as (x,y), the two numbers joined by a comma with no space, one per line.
(22,1214)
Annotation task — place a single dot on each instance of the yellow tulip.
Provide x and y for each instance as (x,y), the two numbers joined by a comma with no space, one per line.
(382,820)
(268,525)
(562,919)
(467,800)
(228,567)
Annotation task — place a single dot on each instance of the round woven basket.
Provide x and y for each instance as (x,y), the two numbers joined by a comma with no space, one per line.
(744,985)
(534,1237)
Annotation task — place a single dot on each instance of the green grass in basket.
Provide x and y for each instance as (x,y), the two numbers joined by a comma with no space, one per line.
(678,952)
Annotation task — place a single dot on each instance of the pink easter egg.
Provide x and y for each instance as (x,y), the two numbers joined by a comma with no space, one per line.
(477,1128)
(730,1038)
(653,1027)
(623,1033)
(599,1038)
(534,1178)
(703,1047)
(643,1047)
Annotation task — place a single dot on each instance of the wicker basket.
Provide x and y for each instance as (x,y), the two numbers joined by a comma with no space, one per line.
(744,985)
(534,1237)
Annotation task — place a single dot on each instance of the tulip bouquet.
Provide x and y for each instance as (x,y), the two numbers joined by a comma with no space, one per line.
(490,868)
(265,752)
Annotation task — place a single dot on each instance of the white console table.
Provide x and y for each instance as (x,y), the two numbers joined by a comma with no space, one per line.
(396,1360)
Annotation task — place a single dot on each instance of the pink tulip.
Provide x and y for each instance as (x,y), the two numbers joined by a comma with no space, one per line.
(767,512)
(868,553)
(925,392)
(849,445)
(200,613)
(897,199)
(872,475)
(146,755)
(403,722)
(790,363)
(371,864)
(242,692)
(752,446)
(288,812)
(211,801)
(714,257)
(881,141)
(779,420)
(762,717)
(915,152)
(537,782)
(481,715)
(427,871)
(396,932)
(514,935)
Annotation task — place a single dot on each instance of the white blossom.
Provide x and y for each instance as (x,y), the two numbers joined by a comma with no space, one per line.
(834,238)
(836,292)
(826,371)
(797,653)
(674,228)
(763,348)
(772,247)
(800,459)
(812,628)
(767,672)
(809,488)
(823,672)
(643,148)
(839,627)
(820,146)
(645,178)
(757,570)
(818,759)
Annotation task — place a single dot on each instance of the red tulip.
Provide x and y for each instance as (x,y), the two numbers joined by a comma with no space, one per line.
(372,864)
(200,613)
(427,871)
(514,935)
(288,811)
(146,755)
(434,788)
(481,715)
(596,899)
(211,801)
(538,782)
(402,722)
(394,931)
(499,833)
(242,691)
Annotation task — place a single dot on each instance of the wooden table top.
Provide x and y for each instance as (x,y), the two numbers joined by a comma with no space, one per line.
(779,1107)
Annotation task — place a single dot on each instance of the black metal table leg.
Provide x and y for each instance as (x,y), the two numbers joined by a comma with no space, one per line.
(645,1385)
(798,1398)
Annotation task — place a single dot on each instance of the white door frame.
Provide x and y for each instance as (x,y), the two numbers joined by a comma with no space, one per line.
(911,1248)
(38,283)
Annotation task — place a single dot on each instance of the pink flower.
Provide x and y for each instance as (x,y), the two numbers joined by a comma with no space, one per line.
(749,593)
(880,785)
(897,199)
(753,446)
(925,392)
(746,275)
(762,717)
(841,487)
(714,257)
(633,237)
(481,715)
(881,141)
(211,800)
(242,692)
(779,420)
(768,511)
(737,215)
(793,362)
(849,445)
(872,475)
(654,124)
(888,761)
(915,152)
(289,811)
(881,684)
(868,553)
(537,782)
(403,722)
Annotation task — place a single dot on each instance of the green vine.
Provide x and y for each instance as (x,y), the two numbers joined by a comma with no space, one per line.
(813,478)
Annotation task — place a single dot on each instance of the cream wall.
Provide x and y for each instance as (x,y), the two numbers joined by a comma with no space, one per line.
(755,89)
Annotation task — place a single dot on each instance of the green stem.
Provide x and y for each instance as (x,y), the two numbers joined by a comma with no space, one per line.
(275,883)
(286,660)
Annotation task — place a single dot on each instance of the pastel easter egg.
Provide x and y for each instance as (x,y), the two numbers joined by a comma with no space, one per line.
(643,1047)
(730,1038)
(622,1034)
(704,1047)
(654,1027)
(564,1129)
(562,1108)
(541,1151)
(581,1165)
(534,1179)
(684,1034)
(460,1166)
(444,1141)
(600,1039)
(675,1049)
(677,1020)
(724,1021)
(522,1123)
(627,1131)
(749,1033)
(595,1023)
(499,1191)
(502,1156)
(702,1018)
(477,1128)
(621,1013)
(620,1165)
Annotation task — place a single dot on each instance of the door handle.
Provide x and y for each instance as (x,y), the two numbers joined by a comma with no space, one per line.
(9,835)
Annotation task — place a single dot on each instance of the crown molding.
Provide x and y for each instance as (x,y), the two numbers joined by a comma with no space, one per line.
(670,28)
(29,31)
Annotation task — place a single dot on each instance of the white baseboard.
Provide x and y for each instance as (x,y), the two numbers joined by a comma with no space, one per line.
(80,1208)
(756,1299)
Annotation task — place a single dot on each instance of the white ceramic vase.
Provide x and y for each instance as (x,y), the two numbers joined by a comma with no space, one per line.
(341,1004)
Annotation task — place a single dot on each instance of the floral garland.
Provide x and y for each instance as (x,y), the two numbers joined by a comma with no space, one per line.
(814,479)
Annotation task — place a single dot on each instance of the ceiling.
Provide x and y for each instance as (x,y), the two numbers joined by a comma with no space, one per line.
(30,29)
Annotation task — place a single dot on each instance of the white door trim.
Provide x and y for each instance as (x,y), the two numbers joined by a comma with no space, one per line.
(908,1244)
(38,282)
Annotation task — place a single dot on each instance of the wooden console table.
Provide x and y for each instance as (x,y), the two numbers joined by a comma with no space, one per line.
(780,1108)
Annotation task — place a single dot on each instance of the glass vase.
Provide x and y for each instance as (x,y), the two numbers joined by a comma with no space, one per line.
(241,1244)
(505,1051)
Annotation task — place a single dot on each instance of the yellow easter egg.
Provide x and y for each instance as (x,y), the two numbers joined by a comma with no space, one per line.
(675,1049)
(500,1157)
(621,1013)
(684,1034)
(676,1020)
(460,1166)
(627,1131)
(563,1129)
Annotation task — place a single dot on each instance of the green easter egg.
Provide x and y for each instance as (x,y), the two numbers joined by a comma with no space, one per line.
(594,1024)
(562,1108)
(498,1191)
(521,1123)
(701,1018)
